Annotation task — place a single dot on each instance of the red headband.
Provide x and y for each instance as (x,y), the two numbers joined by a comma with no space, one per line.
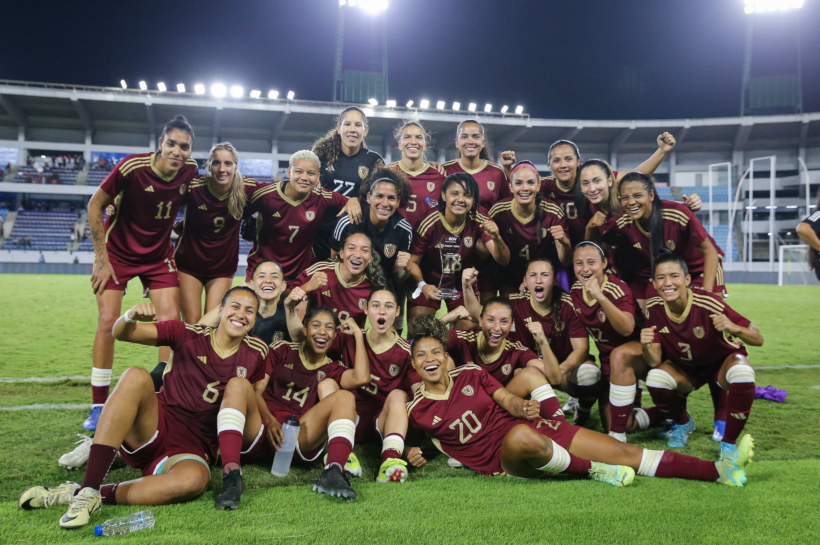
(525,165)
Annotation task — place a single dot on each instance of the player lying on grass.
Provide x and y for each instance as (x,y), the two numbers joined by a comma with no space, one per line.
(207,403)
(688,341)
(289,387)
(476,420)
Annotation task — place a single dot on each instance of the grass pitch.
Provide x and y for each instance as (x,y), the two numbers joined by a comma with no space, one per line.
(47,328)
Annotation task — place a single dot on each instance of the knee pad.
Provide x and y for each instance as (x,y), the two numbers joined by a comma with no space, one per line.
(658,378)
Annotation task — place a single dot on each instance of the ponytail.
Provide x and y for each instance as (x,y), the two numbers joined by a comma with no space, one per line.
(236,194)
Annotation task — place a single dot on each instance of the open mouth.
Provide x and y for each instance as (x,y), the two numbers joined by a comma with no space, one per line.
(236,323)
(320,342)
(382,211)
(525,194)
(267,290)
(634,210)
(495,338)
(381,322)
(539,292)
(356,263)
(585,276)
(431,369)
(594,196)
(669,291)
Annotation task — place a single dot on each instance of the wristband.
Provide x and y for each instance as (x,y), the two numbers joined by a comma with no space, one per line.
(417,293)
(127,319)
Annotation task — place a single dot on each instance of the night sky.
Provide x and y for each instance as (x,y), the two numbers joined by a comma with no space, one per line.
(584,59)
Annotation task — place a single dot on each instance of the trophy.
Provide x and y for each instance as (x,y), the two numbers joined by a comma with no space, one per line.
(449,246)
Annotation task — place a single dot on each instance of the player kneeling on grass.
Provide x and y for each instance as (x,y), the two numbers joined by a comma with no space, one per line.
(476,420)
(695,332)
(207,403)
(293,374)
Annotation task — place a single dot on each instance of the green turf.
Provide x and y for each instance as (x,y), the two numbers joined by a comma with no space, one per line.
(437,504)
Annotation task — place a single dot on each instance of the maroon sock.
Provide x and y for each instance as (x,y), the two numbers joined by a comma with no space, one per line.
(655,415)
(100,459)
(669,403)
(620,417)
(109,493)
(638,396)
(588,392)
(391,453)
(551,410)
(230,446)
(99,394)
(338,450)
(578,466)
(675,465)
(719,398)
(739,403)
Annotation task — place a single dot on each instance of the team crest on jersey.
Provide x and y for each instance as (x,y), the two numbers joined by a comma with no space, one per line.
(468,242)
(320,376)
(506,368)
(278,336)
(363,172)
(389,250)
(182,189)
(670,244)
(242,372)
(699,332)
(543,232)
(310,214)
(362,303)
(394,369)
(490,185)
(431,186)
(602,316)
(467,390)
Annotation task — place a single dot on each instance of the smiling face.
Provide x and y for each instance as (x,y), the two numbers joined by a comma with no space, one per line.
(539,280)
(470,140)
(223,167)
(356,254)
(175,149)
(564,164)
(352,129)
(670,281)
(457,200)
(525,185)
(496,324)
(587,264)
(320,332)
(237,316)
(412,142)
(429,360)
(303,175)
(268,282)
(382,311)
(636,200)
(595,184)
(383,200)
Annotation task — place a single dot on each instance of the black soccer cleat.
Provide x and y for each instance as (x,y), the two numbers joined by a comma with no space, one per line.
(335,484)
(232,489)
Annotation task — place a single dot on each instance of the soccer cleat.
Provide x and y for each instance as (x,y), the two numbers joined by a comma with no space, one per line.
(90,423)
(581,417)
(392,469)
(570,405)
(720,430)
(455,464)
(619,436)
(732,468)
(83,505)
(232,489)
(679,434)
(335,484)
(46,497)
(78,457)
(726,450)
(666,433)
(352,465)
(614,475)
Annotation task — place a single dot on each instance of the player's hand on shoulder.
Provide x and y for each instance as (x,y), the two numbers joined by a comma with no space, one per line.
(415,457)
(143,312)
(353,209)
(438,167)
(648,336)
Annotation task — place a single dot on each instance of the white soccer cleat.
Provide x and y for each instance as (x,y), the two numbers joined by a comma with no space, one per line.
(78,457)
(87,502)
(619,436)
(46,497)
(455,464)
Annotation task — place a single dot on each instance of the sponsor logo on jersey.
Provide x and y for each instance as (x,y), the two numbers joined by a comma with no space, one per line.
(467,390)
(602,316)
(242,372)
(363,172)
(394,370)
(310,214)
(278,336)
(436,420)
(362,303)
(149,189)
(506,368)
(670,244)
(699,332)
(543,232)
(389,250)
(182,189)
(203,207)
(468,242)
(321,376)
(203,359)
(431,186)
(490,185)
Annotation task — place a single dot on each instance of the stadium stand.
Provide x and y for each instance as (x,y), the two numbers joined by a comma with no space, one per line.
(719,193)
(66,175)
(41,230)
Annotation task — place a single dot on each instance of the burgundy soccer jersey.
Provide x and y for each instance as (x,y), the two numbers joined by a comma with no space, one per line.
(342,298)
(493,184)
(428,237)
(560,341)
(565,199)
(388,368)
(209,245)
(594,319)
(521,235)
(293,385)
(147,204)
(465,422)
(288,227)
(465,347)
(691,339)
(426,187)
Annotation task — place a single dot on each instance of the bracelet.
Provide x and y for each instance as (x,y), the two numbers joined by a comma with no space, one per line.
(417,293)
(127,319)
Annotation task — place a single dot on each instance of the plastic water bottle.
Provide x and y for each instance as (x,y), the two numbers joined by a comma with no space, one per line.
(125,524)
(284,456)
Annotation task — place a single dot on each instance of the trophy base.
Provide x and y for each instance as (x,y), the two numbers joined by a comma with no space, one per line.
(448,294)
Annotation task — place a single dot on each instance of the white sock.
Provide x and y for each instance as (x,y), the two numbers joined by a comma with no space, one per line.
(641,418)
(342,428)
(620,396)
(587,374)
(393,442)
(100,377)
(650,460)
(619,436)
(559,461)
(740,373)
(542,392)
(230,420)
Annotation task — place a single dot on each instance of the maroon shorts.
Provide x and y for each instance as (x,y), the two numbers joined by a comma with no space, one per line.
(701,376)
(204,279)
(421,301)
(177,433)
(367,413)
(155,276)
(262,452)
(561,432)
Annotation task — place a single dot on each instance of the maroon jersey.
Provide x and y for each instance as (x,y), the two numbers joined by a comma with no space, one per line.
(426,244)
(594,319)
(426,191)
(147,204)
(288,227)
(465,347)
(388,368)
(293,385)
(521,236)
(343,298)
(465,422)
(525,312)
(493,184)
(691,340)
(565,199)
(209,245)
(195,379)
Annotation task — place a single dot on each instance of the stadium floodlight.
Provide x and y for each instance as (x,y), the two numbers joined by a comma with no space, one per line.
(409,103)
(424,104)
(519,110)
(199,89)
(370,6)
(504,109)
(765,6)
(456,106)
(256,93)
(391,103)
(440,105)
(143,86)
(273,93)
(237,91)
(180,87)
(123,84)
(161,87)
(488,108)
(373,102)
(291,94)
(471,107)
(219,90)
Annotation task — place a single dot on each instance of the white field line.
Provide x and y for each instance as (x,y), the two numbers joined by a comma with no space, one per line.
(47,406)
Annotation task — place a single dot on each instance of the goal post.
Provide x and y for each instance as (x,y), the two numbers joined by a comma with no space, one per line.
(793,266)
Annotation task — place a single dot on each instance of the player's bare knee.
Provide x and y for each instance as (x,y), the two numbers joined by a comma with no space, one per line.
(525,439)
(344,397)
(237,384)
(397,398)
(136,377)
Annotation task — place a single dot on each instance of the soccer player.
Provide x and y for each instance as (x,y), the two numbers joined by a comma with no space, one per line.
(478,236)
(473,418)
(690,338)
(290,213)
(207,252)
(207,403)
(294,371)
(809,232)
(147,191)
(531,227)
(346,162)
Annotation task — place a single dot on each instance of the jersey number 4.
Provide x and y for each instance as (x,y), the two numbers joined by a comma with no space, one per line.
(468,420)
(298,397)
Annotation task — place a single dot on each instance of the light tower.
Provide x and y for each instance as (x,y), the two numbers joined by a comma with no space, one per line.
(359,86)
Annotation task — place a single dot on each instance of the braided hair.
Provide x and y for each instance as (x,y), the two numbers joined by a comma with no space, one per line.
(470,186)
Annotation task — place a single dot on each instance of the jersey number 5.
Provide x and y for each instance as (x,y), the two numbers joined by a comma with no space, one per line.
(468,420)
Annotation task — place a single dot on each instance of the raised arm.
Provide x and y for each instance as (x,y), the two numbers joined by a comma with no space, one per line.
(127,328)
(103,271)
(623,322)
(651,350)
(360,374)
(710,263)
(548,360)
(295,299)
(471,302)
(495,247)
(666,143)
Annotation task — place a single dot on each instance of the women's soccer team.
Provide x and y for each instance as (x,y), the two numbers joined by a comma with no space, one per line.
(529,268)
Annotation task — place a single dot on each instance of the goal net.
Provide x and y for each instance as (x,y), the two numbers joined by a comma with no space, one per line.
(793,268)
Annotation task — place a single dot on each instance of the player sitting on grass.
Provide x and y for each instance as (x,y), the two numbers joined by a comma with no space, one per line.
(207,403)
(476,420)
(290,387)
(688,341)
